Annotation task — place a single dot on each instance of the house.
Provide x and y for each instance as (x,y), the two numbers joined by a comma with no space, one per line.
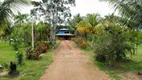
(64,34)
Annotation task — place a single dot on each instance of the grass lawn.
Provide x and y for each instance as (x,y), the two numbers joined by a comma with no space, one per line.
(30,70)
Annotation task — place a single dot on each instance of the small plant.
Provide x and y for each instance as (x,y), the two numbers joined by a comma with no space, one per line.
(80,42)
(19,57)
(29,54)
(83,45)
(43,47)
(37,52)
(77,40)
(33,54)
(5,65)
(15,46)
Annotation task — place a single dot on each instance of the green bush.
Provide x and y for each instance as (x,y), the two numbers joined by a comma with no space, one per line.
(115,43)
(15,46)
(5,65)
(77,40)
(81,42)
(19,57)
(101,58)
(37,51)
(31,54)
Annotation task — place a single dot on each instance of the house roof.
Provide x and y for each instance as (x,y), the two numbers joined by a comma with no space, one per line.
(63,29)
(62,32)
(65,34)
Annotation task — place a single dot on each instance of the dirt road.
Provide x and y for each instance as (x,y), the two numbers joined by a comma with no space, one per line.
(69,64)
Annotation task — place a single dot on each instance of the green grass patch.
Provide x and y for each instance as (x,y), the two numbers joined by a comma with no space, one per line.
(30,70)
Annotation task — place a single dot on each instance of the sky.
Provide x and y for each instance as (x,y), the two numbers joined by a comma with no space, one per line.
(86,6)
(92,6)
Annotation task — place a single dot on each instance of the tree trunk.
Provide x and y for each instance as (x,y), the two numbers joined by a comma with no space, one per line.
(33,35)
(52,36)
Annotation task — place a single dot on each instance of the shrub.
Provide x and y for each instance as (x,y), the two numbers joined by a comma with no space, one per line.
(16,45)
(81,42)
(5,65)
(29,53)
(32,54)
(115,44)
(19,57)
(39,49)
(76,40)
(101,58)
(44,47)
(37,52)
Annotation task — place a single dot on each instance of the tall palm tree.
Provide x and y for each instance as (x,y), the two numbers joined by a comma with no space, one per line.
(93,20)
(131,11)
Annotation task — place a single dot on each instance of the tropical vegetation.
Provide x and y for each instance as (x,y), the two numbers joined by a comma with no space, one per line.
(25,37)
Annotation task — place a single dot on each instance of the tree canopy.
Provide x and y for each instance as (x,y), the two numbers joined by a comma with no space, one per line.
(55,12)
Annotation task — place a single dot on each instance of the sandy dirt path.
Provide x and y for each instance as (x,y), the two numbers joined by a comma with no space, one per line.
(69,64)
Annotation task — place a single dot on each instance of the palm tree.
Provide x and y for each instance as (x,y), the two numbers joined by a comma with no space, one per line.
(26,28)
(42,31)
(7,8)
(130,11)
(19,18)
(84,28)
(5,30)
(93,19)
(74,22)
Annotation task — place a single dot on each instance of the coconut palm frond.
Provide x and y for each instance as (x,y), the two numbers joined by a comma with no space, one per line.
(129,9)
(7,8)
